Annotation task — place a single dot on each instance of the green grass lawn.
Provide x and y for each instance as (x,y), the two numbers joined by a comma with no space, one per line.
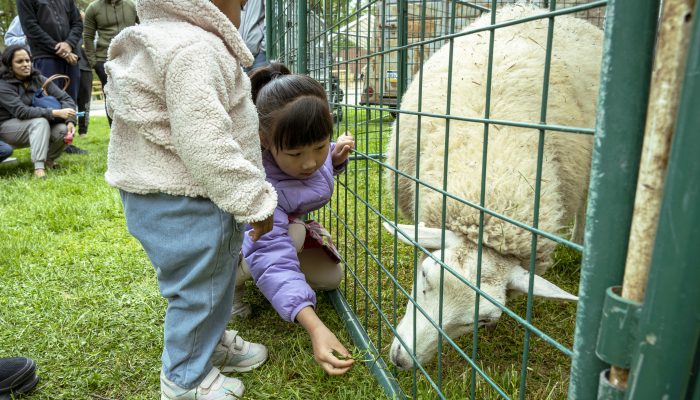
(80,296)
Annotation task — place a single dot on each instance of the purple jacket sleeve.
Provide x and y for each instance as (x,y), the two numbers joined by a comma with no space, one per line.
(274,264)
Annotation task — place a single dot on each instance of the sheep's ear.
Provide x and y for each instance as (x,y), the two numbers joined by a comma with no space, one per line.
(519,279)
(427,237)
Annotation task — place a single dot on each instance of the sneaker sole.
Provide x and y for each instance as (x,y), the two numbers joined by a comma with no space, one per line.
(243,369)
(164,397)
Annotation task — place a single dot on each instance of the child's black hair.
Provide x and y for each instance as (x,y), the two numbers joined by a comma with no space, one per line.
(293,108)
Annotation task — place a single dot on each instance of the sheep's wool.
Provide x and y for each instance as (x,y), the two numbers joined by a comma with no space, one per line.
(517,90)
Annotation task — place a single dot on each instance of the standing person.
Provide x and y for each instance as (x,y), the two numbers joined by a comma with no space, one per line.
(84,88)
(15,35)
(185,155)
(84,93)
(54,30)
(300,162)
(106,18)
(43,130)
(253,31)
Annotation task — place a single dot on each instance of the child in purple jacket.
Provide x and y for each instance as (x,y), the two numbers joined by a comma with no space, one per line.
(300,162)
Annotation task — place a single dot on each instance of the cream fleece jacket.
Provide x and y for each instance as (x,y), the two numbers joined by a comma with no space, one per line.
(184,122)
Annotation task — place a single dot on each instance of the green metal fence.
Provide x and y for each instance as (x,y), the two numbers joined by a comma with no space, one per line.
(367,54)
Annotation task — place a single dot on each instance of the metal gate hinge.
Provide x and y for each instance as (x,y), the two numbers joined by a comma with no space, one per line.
(618,328)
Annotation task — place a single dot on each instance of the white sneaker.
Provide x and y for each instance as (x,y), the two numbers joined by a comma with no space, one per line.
(9,160)
(235,354)
(214,387)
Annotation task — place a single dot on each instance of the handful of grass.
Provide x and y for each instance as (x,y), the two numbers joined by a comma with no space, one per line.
(356,354)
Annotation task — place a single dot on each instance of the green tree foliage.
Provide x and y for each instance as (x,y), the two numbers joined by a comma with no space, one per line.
(335,10)
(8,10)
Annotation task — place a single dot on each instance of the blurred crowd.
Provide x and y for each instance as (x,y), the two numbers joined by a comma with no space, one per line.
(52,49)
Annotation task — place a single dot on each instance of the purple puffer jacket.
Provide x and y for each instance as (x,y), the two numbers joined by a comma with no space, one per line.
(273,259)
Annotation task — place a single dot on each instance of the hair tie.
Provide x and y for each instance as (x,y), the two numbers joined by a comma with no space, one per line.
(275,75)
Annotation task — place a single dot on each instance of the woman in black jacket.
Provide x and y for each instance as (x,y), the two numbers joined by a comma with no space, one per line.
(21,124)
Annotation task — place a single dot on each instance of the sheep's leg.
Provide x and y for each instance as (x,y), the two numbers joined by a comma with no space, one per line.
(579,224)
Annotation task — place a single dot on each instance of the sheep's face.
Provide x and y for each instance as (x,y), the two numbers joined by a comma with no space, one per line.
(498,275)
(457,306)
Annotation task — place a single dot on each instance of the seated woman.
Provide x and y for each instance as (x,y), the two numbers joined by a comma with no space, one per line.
(22,125)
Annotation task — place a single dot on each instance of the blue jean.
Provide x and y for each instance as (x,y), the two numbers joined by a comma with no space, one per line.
(5,151)
(193,246)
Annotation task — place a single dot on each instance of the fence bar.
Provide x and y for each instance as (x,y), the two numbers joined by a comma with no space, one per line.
(672,48)
(402,83)
(302,65)
(269,31)
(359,337)
(282,33)
(625,76)
(671,51)
(536,209)
(669,329)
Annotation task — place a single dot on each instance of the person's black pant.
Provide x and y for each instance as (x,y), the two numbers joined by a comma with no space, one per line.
(100,70)
(53,65)
(84,96)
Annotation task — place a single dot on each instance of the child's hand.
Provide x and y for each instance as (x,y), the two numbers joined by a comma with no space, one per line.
(325,344)
(343,145)
(261,227)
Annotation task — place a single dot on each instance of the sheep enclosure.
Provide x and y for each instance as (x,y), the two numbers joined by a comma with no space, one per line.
(406,112)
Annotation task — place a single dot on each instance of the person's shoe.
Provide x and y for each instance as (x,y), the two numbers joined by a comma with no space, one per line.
(72,149)
(17,375)
(40,173)
(50,164)
(214,387)
(241,309)
(235,354)
(9,160)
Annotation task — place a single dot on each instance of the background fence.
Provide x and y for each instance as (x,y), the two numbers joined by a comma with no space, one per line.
(367,53)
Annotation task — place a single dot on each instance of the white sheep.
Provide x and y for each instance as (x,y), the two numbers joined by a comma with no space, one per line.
(516,95)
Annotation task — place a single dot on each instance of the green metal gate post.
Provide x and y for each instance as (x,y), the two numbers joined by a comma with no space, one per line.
(302,66)
(269,31)
(281,29)
(402,67)
(630,32)
(669,329)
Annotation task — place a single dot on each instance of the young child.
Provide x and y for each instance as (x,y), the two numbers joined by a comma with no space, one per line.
(185,154)
(300,162)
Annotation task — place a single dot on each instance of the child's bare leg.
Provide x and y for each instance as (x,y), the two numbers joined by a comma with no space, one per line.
(241,309)
(298,234)
(321,273)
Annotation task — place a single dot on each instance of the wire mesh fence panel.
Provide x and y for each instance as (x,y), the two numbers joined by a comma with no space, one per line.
(473,137)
